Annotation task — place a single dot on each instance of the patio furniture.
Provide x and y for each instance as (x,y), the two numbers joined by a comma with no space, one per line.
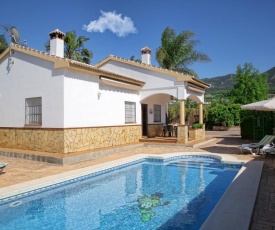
(2,166)
(176,130)
(268,150)
(256,146)
(170,130)
(164,130)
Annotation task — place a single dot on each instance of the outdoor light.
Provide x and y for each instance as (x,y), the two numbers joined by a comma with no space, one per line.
(99,94)
(150,111)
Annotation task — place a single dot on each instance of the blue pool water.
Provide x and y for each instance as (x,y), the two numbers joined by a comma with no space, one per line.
(147,194)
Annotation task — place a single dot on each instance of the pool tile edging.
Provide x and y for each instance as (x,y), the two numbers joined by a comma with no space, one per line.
(41,184)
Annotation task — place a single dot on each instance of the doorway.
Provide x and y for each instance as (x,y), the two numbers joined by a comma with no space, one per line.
(144,115)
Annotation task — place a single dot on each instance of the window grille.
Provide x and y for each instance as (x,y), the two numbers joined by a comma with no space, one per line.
(33,108)
(157,113)
(130,112)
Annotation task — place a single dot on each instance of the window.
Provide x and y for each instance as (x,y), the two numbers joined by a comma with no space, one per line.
(157,113)
(33,108)
(130,112)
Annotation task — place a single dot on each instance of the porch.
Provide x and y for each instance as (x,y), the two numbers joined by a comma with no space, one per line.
(181,135)
(155,122)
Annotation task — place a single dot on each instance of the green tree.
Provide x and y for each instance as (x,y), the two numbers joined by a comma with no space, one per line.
(177,52)
(189,107)
(3,44)
(250,86)
(133,58)
(174,110)
(74,47)
(221,115)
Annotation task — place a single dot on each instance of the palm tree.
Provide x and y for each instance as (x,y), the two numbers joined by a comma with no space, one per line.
(177,51)
(3,44)
(133,58)
(74,48)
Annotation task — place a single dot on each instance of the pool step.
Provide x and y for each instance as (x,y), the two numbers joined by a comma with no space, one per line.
(159,140)
(197,165)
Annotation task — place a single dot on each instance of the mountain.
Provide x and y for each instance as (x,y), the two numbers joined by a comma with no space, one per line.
(271,80)
(224,83)
(220,84)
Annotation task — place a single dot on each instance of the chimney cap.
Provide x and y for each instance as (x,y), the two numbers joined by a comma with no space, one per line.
(57,31)
(146,50)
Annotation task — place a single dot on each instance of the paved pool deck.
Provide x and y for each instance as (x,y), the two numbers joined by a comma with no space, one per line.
(20,170)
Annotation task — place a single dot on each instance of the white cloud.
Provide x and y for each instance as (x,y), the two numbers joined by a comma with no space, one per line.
(113,22)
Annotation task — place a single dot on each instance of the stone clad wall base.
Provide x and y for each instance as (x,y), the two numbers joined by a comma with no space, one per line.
(92,138)
(68,140)
(183,134)
(196,134)
(46,140)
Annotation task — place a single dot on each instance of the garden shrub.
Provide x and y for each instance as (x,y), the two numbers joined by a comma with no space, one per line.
(197,126)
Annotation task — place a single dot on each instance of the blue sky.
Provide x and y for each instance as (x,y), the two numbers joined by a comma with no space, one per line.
(230,32)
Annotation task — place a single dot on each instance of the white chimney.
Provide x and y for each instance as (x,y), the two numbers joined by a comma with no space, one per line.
(57,43)
(146,55)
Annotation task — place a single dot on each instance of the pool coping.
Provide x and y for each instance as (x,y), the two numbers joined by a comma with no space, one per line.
(235,208)
(233,211)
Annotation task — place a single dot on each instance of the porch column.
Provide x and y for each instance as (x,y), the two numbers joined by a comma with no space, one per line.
(182,128)
(201,113)
(182,112)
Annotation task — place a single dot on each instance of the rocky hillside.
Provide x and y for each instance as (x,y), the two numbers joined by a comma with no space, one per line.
(223,83)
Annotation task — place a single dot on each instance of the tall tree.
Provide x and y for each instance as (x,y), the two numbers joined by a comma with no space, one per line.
(177,52)
(3,44)
(250,86)
(74,47)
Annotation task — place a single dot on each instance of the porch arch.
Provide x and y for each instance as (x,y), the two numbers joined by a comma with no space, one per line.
(164,99)
(200,103)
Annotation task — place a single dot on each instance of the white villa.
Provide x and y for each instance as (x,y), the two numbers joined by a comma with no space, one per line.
(53,104)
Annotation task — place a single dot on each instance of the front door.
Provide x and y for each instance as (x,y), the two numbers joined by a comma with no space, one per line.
(144,115)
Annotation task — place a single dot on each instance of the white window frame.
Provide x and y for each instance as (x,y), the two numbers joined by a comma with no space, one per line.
(130,112)
(33,111)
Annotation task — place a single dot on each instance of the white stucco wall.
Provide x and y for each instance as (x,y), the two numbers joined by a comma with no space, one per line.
(84,108)
(30,77)
(70,98)
(70,101)
(193,95)
(155,83)
(158,99)
(152,79)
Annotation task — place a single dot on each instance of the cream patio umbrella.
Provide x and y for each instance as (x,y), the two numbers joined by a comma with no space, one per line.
(266,105)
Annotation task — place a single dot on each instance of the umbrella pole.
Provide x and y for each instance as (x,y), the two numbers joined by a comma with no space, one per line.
(253,128)
(263,127)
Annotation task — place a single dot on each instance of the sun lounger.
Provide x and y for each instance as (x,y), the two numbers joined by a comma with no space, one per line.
(255,148)
(2,166)
(268,150)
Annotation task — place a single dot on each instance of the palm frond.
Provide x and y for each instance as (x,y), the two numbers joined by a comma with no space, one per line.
(178,51)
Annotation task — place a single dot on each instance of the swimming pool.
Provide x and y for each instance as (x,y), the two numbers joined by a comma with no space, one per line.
(178,192)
